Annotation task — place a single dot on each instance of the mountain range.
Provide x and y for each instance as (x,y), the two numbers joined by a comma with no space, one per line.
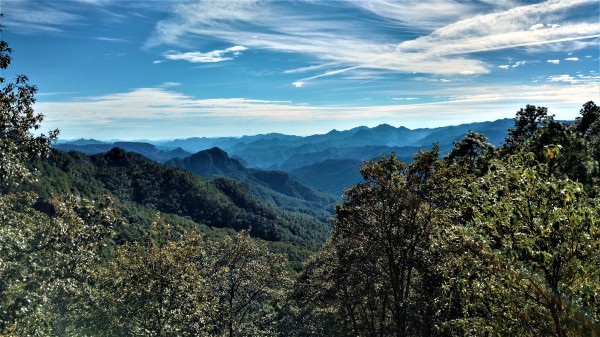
(325,161)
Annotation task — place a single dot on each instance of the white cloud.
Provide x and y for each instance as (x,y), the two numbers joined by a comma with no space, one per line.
(170,84)
(571,59)
(405,98)
(146,111)
(208,57)
(503,30)
(514,65)
(111,39)
(553,61)
(54,17)
(421,14)
(31,17)
(348,46)
(578,79)
(537,26)
(309,68)
(562,78)
(298,84)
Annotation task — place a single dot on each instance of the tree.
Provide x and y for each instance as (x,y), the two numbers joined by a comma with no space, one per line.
(588,124)
(527,121)
(47,263)
(369,278)
(17,118)
(575,160)
(474,151)
(527,264)
(248,284)
(179,283)
(590,113)
(156,288)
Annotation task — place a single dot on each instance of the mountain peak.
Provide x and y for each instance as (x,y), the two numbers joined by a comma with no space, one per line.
(384,126)
(213,161)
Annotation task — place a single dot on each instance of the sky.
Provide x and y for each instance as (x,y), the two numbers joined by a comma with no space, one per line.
(158,69)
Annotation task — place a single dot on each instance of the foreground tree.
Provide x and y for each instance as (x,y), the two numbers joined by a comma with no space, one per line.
(527,122)
(17,118)
(474,151)
(45,260)
(155,288)
(248,285)
(47,263)
(179,284)
(527,264)
(588,124)
(370,278)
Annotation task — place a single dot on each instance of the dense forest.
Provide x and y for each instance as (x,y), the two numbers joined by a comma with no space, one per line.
(479,241)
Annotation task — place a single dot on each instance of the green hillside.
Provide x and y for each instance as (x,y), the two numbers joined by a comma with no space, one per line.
(139,182)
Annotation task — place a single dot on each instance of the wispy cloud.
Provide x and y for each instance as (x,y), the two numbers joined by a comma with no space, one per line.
(451,31)
(30,17)
(514,65)
(578,79)
(56,17)
(424,14)
(404,98)
(537,26)
(571,59)
(504,30)
(207,57)
(170,84)
(553,61)
(111,39)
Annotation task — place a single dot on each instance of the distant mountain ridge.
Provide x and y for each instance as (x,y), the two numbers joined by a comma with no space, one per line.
(280,151)
(151,151)
(309,159)
(288,154)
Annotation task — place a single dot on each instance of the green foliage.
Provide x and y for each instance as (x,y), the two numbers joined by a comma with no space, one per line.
(473,151)
(17,118)
(188,286)
(142,187)
(529,259)
(249,285)
(588,124)
(156,288)
(527,121)
(369,277)
(575,160)
(47,263)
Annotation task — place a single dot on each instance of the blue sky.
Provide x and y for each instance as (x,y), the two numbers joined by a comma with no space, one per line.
(116,69)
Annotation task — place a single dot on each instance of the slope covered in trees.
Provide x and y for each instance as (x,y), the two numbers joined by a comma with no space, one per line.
(137,181)
(273,187)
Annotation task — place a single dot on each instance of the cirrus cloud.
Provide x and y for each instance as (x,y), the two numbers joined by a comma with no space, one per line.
(207,57)
(445,47)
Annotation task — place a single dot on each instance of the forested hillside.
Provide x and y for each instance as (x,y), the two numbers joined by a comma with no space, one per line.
(273,187)
(136,181)
(484,240)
